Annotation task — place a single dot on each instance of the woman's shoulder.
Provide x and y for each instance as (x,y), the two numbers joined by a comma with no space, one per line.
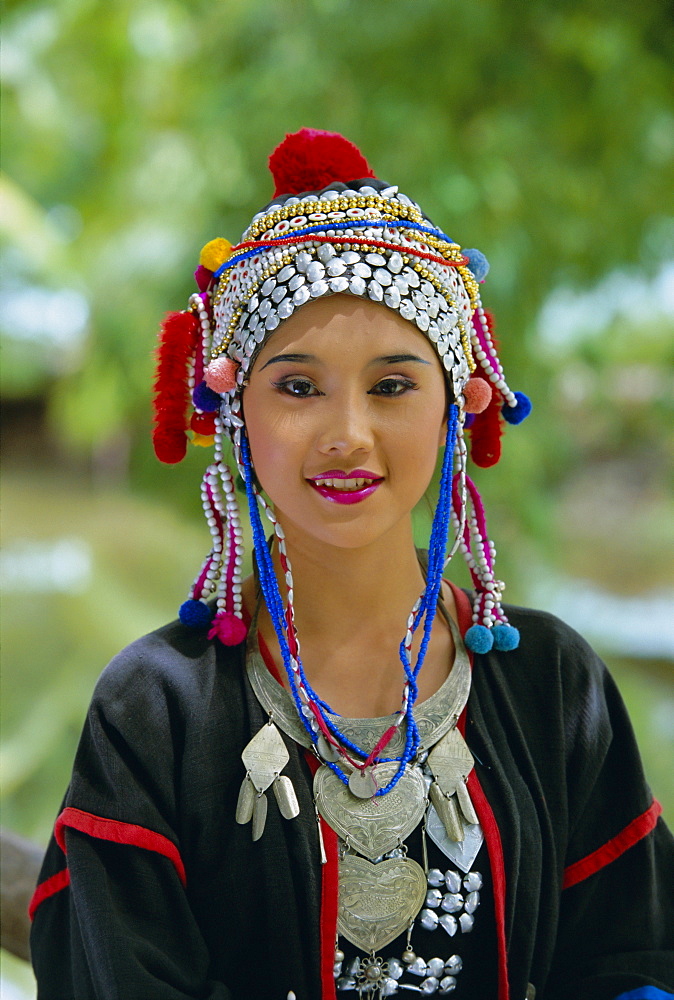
(174,663)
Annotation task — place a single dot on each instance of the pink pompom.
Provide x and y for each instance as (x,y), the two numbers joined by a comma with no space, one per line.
(229,629)
(311,159)
(220,376)
(477,395)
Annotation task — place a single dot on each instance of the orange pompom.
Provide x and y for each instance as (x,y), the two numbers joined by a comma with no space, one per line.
(220,375)
(477,395)
(215,253)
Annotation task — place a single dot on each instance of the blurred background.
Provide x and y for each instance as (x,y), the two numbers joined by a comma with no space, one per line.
(135,131)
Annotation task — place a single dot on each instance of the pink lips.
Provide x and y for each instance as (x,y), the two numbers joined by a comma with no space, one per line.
(344,496)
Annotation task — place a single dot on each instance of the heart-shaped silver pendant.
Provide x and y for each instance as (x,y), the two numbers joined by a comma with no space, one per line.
(378,902)
(372,826)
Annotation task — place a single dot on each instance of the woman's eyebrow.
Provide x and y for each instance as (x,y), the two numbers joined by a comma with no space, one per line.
(295,358)
(396,359)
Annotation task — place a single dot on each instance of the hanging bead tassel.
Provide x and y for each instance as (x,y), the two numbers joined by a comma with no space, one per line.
(228,625)
(490,627)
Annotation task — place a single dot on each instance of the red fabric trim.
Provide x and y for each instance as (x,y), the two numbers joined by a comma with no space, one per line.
(463,609)
(613,848)
(48,888)
(329,900)
(265,653)
(119,833)
(492,834)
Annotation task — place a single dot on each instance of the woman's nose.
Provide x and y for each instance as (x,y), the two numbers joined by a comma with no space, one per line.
(348,427)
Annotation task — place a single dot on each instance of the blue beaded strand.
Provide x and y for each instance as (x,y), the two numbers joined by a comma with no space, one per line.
(428,604)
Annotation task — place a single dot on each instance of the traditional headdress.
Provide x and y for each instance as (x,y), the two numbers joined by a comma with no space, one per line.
(332,228)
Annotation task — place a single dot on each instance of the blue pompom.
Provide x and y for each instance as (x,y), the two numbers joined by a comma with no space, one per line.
(505,638)
(478,639)
(516,414)
(205,399)
(195,613)
(478,263)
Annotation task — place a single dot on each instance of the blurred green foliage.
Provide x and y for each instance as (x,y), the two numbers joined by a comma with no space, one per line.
(136,130)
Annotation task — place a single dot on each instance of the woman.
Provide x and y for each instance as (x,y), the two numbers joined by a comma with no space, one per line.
(249,817)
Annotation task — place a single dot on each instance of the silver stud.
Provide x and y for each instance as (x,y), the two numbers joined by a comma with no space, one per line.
(423,321)
(433,898)
(338,284)
(318,288)
(436,967)
(375,259)
(433,332)
(472,902)
(420,300)
(453,964)
(336,267)
(395,262)
(401,285)
(388,987)
(362,270)
(452,902)
(375,291)
(286,308)
(350,257)
(448,923)
(260,333)
(301,296)
(435,877)
(407,310)
(383,276)
(472,881)
(466,920)
(434,306)
(286,273)
(448,361)
(268,286)
(315,271)
(428,919)
(392,297)
(325,253)
(411,277)
(265,308)
(302,261)
(430,985)
(417,967)
(447,985)
(357,285)
(395,968)
(278,293)
(272,321)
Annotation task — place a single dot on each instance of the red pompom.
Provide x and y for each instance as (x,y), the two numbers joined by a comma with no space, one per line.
(477,394)
(203,423)
(311,159)
(220,375)
(228,628)
(177,344)
(487,427)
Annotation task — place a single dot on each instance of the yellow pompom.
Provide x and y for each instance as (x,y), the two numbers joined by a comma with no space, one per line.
(215,253)
(203,440)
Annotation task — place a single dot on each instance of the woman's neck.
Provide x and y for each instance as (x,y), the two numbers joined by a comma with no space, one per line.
(351,612)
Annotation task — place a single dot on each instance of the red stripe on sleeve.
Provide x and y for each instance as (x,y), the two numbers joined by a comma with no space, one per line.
(613,848)
(48,888)
(119,833)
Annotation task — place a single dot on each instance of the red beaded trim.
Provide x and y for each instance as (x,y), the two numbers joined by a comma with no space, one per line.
(380,244)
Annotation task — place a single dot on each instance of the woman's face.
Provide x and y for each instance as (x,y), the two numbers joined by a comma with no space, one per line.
(345,411)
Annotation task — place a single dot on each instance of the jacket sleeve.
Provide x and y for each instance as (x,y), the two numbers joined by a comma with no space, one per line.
(616,932)
(112,916)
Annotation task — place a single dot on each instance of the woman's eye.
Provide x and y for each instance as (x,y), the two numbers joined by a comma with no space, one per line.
(298,387)
(392,387)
